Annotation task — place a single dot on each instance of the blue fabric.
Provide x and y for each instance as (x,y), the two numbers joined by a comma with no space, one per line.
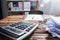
(53,28)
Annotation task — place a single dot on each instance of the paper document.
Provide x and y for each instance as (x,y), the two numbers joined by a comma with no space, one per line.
(34,17)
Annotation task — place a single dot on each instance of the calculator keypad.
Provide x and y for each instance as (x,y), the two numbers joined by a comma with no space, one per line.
(22,27)
(28,29)
(13,30)
(18,29)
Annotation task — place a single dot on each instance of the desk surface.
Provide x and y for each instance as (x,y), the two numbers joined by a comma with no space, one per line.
(38,34)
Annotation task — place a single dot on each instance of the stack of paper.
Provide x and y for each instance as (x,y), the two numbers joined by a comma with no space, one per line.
(53,27)
(34,17)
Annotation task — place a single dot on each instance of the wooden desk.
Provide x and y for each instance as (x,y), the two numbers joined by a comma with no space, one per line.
(38,34)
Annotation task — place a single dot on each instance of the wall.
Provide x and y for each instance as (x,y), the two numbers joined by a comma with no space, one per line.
(55,7)
(50,7)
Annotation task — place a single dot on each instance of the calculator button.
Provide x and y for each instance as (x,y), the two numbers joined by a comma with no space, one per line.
(32,26)
(12,25)
(28,29)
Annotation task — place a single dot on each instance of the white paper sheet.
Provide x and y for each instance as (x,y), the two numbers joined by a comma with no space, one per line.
(34,17)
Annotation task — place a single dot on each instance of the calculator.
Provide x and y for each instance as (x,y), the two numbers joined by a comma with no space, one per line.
(19,30)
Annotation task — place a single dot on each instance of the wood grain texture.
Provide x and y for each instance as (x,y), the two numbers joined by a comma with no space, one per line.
(38,34)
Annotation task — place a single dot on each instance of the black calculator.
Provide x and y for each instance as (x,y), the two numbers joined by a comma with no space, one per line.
(19,30)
